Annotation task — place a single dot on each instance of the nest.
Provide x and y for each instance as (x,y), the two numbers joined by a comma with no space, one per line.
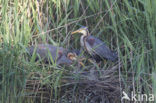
(92,86)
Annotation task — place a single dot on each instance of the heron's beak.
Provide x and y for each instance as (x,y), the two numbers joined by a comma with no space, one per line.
(77,31)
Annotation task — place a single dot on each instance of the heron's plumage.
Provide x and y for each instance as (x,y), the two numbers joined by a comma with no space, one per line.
(58,54)
(99,48)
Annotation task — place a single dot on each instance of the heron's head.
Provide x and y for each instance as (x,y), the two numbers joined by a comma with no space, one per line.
(82,30)
(72,56)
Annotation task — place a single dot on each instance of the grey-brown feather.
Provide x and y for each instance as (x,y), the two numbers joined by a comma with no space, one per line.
(43,51)
(99,49)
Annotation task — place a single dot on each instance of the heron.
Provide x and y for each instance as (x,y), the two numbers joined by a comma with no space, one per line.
(59,55)
(94,46)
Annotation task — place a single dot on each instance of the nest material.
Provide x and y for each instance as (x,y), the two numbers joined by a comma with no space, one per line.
(93,86)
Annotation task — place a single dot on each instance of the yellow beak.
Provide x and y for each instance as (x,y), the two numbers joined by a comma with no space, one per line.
(77,31)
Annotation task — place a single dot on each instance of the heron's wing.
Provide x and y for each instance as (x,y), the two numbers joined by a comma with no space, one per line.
(38,50)
(100,48)
(43,50)
(64,60)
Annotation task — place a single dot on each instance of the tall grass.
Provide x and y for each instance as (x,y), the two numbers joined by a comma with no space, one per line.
(128,27)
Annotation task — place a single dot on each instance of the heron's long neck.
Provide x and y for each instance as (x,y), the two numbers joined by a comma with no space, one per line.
(83,36)
(86,33)
(82,40)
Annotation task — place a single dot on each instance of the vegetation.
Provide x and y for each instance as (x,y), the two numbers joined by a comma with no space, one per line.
(129,27)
